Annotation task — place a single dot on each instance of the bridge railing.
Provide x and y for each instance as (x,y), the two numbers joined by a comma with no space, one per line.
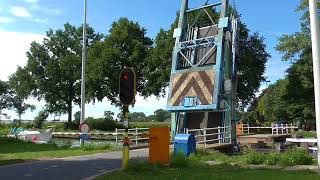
(276,128)
(136,132)
(207,136)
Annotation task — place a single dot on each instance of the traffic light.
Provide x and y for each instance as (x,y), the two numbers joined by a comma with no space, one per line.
(127,86)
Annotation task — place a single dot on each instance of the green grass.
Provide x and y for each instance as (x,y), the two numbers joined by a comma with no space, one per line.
(12,151)
(309,134)
(220,172)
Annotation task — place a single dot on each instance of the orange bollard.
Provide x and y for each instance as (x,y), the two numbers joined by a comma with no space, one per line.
(159,141)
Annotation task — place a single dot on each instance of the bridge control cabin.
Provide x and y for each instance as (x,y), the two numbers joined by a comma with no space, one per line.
(202,90)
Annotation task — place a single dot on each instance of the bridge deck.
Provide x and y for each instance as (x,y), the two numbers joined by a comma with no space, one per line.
(265,138)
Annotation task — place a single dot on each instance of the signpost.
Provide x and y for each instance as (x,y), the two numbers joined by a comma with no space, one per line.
(127,92)
(84,129)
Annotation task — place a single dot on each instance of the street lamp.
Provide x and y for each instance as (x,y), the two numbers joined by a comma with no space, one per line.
(83,73)
(315,38)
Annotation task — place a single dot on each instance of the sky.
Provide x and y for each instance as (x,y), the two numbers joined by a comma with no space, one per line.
(24,21)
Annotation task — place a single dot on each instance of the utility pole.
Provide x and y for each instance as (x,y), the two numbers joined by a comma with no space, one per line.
(83,73)
(315,38)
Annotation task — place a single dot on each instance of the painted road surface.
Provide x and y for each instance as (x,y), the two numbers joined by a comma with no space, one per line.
(81,167)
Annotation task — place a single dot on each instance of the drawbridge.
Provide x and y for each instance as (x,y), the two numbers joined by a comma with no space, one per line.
(202,89)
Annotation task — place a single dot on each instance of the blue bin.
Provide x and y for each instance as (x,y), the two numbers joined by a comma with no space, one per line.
(185,143)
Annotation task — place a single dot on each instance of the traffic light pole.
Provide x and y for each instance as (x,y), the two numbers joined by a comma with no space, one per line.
(125,150)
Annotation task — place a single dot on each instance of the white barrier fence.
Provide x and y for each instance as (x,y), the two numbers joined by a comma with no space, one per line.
(218,135)
(118,134)
(276,129)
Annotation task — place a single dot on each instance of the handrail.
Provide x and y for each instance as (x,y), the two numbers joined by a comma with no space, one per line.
(223,134)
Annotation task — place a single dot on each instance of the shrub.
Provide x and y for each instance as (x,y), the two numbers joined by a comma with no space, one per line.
(253,157)
(296,156)
(272,158)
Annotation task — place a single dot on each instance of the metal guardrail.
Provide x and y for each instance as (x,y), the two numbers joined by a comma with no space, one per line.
(223,134)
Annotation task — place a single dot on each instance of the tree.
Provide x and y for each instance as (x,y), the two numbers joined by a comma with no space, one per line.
(4,96)
(300,89)
(162,115)
(252,60)
(137,116)
(77,116)
(108,115)
(126,45)
(40,118)
(53,70)
(20,106)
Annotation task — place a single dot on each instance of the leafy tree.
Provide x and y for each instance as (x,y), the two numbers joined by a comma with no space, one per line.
(40,118)
(77,116)
(252,61)
(4,96)
(108,115)
(162,115)
(300,89)
(137,116)
(152,117)
(20,106)
(126,45)
(53,70)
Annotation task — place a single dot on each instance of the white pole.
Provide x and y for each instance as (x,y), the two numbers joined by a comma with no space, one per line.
(315,37)
(83,74)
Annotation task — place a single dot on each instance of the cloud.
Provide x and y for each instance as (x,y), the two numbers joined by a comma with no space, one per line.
(42,21)
(5,20)
(32,1)
(19,11)
(46,10)
(13,47)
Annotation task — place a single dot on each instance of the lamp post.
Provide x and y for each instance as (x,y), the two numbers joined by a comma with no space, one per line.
(83,73)
(315,38)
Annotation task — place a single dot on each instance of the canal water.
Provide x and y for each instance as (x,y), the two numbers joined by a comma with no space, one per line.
(73,143)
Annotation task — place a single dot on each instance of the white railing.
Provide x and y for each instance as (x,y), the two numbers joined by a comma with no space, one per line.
(118,134)
(276,129)
(223,135)
(136,132)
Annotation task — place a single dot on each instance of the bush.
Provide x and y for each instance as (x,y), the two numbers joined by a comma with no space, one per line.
(253,157)
(272,158)
(296,156)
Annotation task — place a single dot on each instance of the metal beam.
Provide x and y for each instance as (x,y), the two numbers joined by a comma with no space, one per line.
(203,7)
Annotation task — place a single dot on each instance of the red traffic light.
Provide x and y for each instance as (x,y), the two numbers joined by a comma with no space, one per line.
(125,77)
(127,86)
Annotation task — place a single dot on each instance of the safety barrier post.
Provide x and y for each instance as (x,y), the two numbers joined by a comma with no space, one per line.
(205,138)
(136,136)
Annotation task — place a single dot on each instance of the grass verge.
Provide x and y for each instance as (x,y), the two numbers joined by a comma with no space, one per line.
(137,171)
(14,151)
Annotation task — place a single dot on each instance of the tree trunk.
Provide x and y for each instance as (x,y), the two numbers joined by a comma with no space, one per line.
(69,112)
(19,120)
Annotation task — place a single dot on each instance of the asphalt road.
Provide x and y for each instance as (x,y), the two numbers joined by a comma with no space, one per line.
(81,167)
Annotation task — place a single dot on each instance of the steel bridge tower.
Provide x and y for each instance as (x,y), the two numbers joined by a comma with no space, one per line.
(202,89)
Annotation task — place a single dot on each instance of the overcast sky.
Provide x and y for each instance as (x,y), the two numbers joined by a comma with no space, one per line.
(24,21)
